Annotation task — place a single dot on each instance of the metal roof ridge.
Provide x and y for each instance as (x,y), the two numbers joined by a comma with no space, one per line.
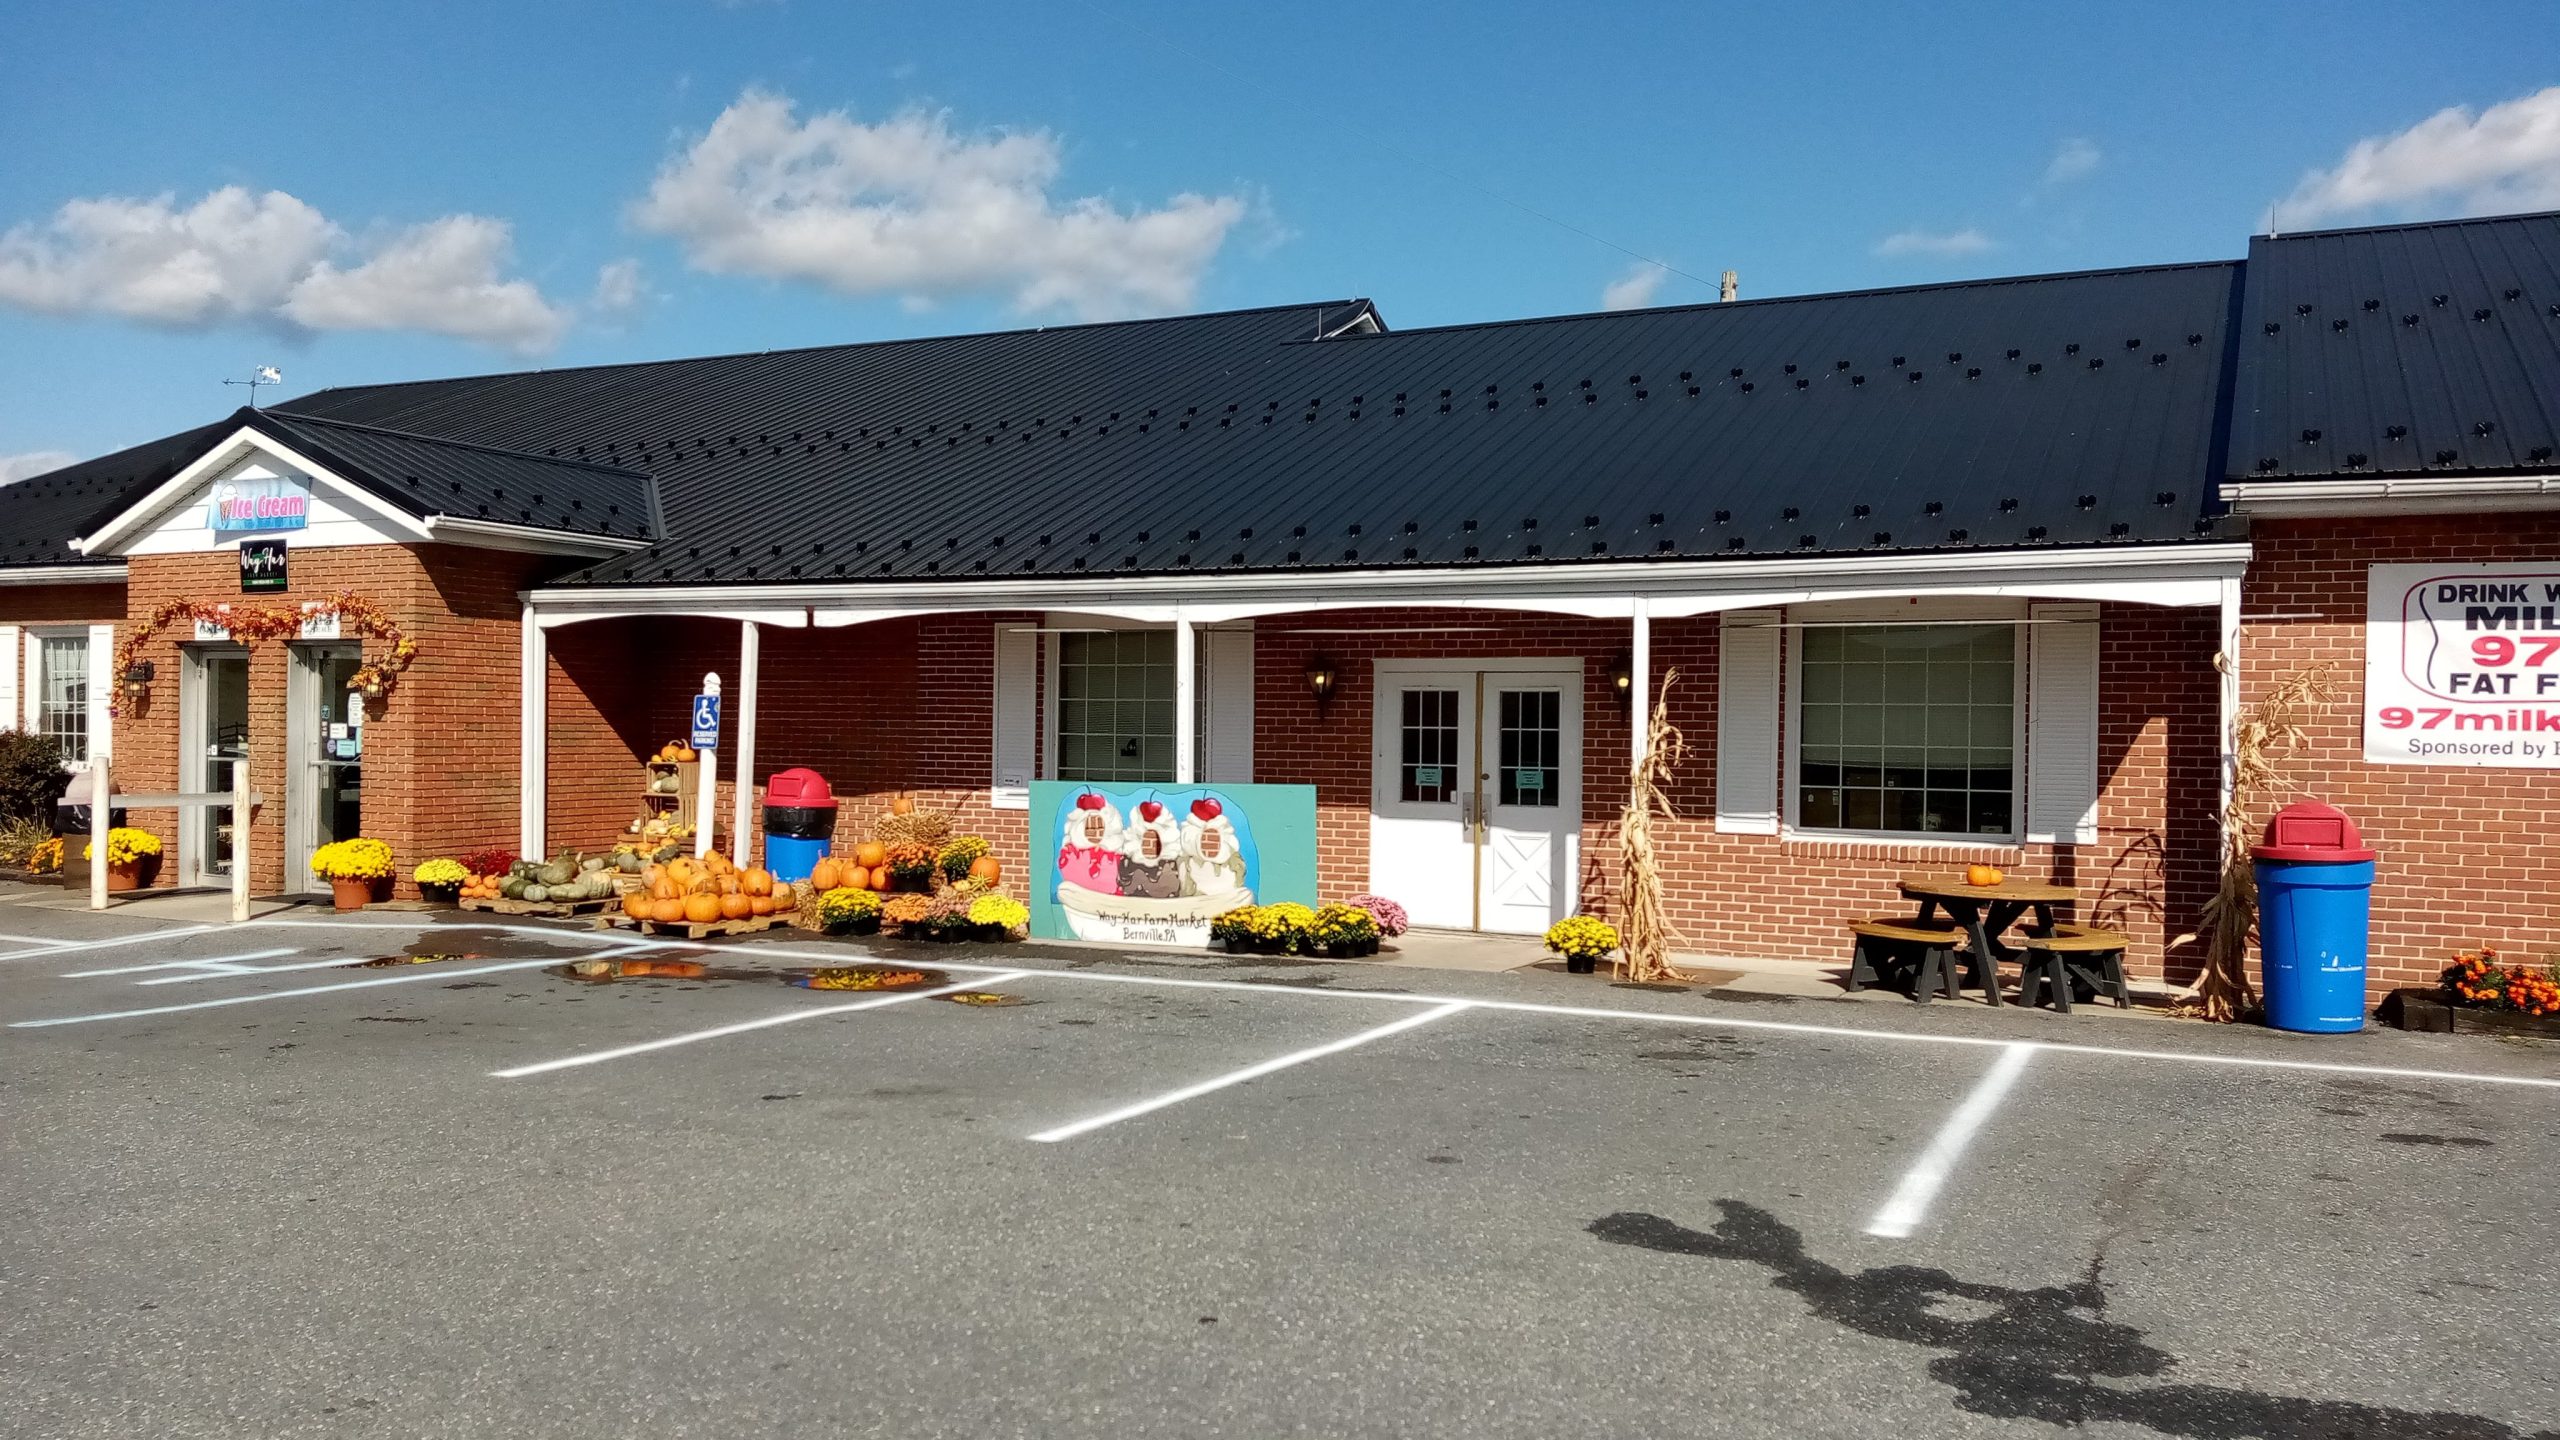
(439,440)
(2445,223)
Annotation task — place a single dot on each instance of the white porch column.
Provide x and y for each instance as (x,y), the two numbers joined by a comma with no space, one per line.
(533,725)
(2229,657)
(1640,683)
(750,659)
(1186,714)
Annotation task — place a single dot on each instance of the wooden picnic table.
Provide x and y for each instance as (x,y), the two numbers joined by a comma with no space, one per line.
(1985,911)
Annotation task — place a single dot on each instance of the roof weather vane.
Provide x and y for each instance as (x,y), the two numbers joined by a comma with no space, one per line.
(263,375)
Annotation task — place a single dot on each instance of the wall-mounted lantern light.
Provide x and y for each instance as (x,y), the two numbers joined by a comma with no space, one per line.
(1622,677)
(1320,677)
(138,677)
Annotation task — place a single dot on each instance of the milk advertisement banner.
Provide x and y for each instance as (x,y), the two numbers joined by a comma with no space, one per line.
(2462,665)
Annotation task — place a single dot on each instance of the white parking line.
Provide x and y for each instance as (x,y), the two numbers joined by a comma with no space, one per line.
(216,962)
(344,962)
(1252,1072)
(437,973)
(68,947)
(1909,1203)
(787,1017)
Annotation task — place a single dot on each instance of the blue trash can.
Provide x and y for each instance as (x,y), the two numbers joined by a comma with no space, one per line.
(2315,918)
(799,823)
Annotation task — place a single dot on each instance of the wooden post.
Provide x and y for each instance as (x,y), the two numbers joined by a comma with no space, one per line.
(100,810)
(240,837)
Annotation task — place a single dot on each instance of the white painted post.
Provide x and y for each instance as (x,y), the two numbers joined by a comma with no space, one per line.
(750,666)
(1186,714)
(533,703)
(240,837)
(99,811)
(2229,696)
(706,797)
(1640,684)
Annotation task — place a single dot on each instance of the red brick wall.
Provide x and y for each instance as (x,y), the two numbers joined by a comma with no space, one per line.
(61,605)
(2469,856)
(1758,895)
(440,751)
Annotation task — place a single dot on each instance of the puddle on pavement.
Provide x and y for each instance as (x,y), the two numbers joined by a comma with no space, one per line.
(387,962)
(832,977)
(984,999)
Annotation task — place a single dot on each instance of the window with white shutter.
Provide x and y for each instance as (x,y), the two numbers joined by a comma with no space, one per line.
(1748,662)
(1016,662)
(2062,724)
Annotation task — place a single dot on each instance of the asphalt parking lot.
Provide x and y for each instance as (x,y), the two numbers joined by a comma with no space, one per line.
(252,1191)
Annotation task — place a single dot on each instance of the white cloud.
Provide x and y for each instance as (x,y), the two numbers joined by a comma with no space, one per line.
(1635,289)
(2507,157)
(2074,159)
(907,207)
(441,277)
(620,288)
(1941,243)
(31,463)
(268,258)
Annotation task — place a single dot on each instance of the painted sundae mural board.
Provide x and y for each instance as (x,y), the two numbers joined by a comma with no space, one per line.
(1154,864)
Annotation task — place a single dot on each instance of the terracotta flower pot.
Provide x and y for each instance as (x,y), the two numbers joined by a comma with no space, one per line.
(121,878)
(350,894)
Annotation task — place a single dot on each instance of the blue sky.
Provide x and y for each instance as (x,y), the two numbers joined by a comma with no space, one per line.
(362,193)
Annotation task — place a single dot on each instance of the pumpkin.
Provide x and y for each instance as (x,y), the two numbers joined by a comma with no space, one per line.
(636,905)
(881,879)
(680,870)
(903,805)
(702,909)
(666,912)
(666,888)
(758,904)
(870,854)
(986,868)
(1982,875)
(735,907)
(756,880)
(784,897)
(826,874)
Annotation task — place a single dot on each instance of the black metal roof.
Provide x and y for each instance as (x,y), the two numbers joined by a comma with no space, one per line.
(2051,410)
(40,517)
(2401,350)
(427,476)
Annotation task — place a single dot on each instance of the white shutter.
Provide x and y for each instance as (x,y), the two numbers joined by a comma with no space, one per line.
(1226,740)
(31,694)
(102,689)
(1016,662)
(8,677)
(1747,675)
(2062,724)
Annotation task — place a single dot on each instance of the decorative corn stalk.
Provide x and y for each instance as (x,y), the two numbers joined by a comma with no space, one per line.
(1644,953)
(2263,736)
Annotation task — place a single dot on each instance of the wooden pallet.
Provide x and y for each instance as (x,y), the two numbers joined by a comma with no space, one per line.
(554,909)
(690,929)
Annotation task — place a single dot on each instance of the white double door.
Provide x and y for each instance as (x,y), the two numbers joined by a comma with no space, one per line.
(1476,792)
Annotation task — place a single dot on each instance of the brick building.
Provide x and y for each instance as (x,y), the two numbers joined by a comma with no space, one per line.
(1943,574)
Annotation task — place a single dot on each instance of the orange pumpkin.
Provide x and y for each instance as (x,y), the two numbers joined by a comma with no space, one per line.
(702,909)
(1982,875)
(986,868)
(758,904)
(824,874)
(880,879)
(870,854)
(680,870)
(757,880)
(666,912)
(636,904)
(784,896)
(736,907)
(903,805)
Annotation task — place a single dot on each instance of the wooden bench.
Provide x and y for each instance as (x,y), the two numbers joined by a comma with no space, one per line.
(1889,943)
(2050,966)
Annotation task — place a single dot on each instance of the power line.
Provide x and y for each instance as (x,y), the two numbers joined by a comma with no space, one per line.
(1408,156)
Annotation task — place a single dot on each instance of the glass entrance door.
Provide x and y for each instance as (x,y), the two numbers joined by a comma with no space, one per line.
(215,699)
(327,770)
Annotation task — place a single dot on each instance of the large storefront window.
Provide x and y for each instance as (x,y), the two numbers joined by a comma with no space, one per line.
(1115,706)
(1908,729)
(62,693)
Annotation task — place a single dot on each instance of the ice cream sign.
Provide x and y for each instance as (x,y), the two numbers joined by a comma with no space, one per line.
(1153,865)
(2462,665)
(258,503)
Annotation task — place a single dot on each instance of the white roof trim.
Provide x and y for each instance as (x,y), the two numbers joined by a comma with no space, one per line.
(240,444)
(2402,495)
(62,574)
(2176,574)
(498,535)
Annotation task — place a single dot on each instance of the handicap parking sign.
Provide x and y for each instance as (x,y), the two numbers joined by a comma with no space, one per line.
(706,722)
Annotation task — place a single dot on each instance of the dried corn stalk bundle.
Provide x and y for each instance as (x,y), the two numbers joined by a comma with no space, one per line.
(1645,933)
(2263,736)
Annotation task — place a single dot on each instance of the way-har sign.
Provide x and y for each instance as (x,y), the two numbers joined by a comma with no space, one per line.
(2462,665)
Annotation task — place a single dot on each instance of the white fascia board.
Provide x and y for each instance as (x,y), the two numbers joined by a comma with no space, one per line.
(1602,589)
(62,574)
(793,618)
(239,445)
(2405,495)
(532,539)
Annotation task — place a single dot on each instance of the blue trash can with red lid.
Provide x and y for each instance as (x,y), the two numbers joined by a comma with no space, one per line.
(2315,918)
(799,822)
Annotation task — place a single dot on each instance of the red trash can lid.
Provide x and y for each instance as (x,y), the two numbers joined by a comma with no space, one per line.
(2307,830)
(799,788)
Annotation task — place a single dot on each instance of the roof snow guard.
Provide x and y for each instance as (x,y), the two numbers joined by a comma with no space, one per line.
(2406,350)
